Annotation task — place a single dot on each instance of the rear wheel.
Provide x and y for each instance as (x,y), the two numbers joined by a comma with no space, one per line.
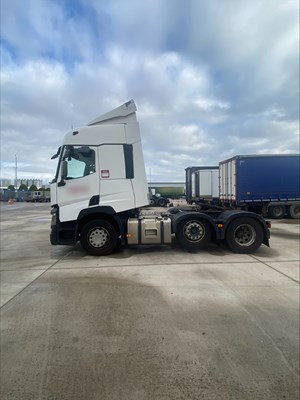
(244,235)
(294,211)
(99,238)
(276,212)
(193,234)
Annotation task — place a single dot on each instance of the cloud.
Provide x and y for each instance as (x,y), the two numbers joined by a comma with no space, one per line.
(210,79)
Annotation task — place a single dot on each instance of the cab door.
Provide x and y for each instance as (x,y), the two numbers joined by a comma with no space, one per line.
(78,181)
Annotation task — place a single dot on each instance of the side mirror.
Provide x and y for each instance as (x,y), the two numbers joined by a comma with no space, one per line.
(64,173)
(57,154)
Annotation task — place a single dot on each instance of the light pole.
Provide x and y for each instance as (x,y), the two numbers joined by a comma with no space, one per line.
(16,175)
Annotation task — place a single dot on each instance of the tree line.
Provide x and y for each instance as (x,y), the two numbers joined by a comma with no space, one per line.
(32,188)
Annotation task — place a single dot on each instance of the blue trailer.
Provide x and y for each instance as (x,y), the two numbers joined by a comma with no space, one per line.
(267,184)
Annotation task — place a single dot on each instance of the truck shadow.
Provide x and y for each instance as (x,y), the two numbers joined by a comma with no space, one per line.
(219,249)
(278,232)
(173,249)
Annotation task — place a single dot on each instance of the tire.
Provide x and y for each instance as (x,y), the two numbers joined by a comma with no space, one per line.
(276,212)
(161,202)
(244,235)
(152,202)
(98,238)
(193,234)
(294,211)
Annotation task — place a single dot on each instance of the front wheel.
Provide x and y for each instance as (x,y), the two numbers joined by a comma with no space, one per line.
(98,238)
(244,235)
(193,234)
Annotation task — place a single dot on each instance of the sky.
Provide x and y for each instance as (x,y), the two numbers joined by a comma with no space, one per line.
(211,78)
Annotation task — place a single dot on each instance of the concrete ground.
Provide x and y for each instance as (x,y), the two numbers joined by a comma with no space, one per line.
(147,322)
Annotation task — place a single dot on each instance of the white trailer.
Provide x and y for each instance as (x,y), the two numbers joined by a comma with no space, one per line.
(202,184)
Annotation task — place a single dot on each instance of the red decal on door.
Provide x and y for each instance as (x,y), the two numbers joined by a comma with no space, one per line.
(105,173)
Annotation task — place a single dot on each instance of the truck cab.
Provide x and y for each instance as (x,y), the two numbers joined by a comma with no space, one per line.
(100,169)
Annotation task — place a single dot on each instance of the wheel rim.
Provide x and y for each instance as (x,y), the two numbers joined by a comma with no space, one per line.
(194,231)
(245,235)
(98,237)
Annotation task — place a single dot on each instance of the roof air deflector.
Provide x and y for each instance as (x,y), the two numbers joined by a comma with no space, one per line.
(117,115)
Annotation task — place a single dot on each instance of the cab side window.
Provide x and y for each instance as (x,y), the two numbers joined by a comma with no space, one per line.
(80,161)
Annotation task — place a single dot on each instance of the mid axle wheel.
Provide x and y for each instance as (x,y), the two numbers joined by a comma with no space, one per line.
(276,212)
(193,234)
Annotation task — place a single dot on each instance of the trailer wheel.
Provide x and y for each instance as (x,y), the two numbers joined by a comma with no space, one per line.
(162,202)
(276,212)
(244,235)
(294,211)
(193,234)
(98,238)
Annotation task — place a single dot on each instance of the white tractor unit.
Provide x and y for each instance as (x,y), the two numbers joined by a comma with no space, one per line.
(100,192)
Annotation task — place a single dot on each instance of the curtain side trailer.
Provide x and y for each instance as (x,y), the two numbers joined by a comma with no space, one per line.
(268,184)
(265,184)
